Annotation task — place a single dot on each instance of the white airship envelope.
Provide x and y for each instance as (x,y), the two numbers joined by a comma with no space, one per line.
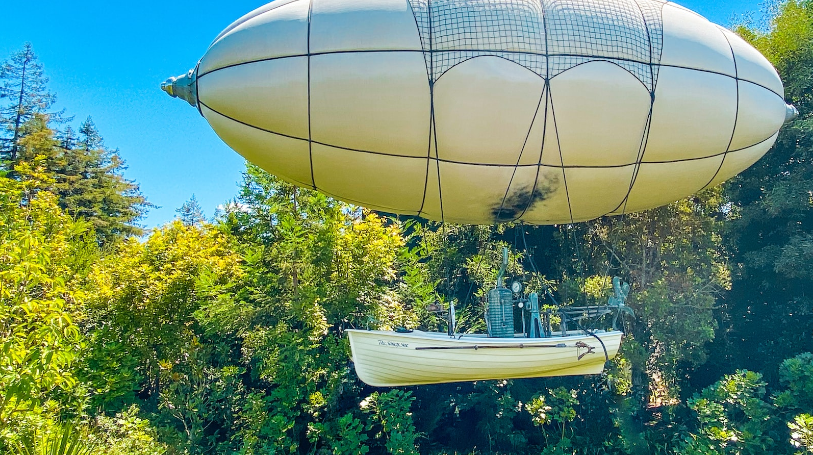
(482,111)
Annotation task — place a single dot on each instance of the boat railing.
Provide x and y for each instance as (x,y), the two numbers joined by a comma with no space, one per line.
(538,320)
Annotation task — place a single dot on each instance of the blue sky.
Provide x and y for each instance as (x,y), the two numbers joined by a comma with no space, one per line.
(107,59)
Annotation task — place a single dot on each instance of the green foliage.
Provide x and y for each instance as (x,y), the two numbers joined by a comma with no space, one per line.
(191,213)
(801,436)
(146,295)
(23,84)
(347,438)
(125,434)
(41,253)
(554,412)
(90,184)
(86,176)
(733,415)
(227,337)
(391,412)
(675,261)
(771,214)
(796,374)
(66,440)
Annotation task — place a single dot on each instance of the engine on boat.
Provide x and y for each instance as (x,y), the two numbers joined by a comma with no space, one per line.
(500,313)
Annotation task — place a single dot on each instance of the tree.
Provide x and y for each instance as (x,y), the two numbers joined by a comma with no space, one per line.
(90,184)
(314,266)
(43,256)
(147,293)
(674,259)
(88,179)
(23,84)
(190,213)
(89,136)
(733,416)
(771,219)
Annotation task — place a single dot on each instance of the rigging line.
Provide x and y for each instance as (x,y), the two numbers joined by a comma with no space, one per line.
(446,266)
(593,334)
(546,289)
(609,259)
(476,271)
(580,264)
(529,256)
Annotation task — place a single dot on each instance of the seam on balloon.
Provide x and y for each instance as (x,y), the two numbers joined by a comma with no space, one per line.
(542,150)
(432,107)
(640,159)
(431,51)
(202,104)
(519,158)
(546,93)
(428,160)
(239,22)
(649,39)
(310,134)
(489,55)
(444,160)
(724,74)
(736,111)
(754,144)
(599,58)
(364,204)
(647,131)
(257,127)
(420,38)
(660,53)
(465,163)
(605,61)
(561,157)
(427,64)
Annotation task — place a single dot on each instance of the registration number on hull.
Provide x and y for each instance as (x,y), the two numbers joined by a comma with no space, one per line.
(392,344)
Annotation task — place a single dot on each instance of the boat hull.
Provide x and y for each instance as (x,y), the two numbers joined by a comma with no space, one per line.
(390,359)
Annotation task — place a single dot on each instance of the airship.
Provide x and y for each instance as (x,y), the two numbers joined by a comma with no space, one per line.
(484,111)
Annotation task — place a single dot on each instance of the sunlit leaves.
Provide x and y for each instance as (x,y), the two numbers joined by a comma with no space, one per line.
(40,295)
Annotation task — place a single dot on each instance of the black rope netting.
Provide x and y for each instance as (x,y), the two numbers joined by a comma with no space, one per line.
(546,36)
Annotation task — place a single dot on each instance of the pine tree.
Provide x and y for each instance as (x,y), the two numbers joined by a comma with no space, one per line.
(191,213)
(67,138)
(23,85)
(87,177)
(89,137)
(90,184)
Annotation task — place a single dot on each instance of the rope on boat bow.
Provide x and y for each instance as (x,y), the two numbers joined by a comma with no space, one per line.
(593,334)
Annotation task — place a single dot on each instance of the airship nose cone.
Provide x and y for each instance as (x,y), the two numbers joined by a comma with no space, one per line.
(791,113)
(182,87)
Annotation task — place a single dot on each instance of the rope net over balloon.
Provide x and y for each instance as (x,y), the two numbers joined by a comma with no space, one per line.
(547,37)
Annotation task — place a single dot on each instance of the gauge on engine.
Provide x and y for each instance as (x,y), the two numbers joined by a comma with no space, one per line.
(516,287)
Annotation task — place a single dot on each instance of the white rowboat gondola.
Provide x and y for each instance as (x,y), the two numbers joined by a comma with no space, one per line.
(391,359)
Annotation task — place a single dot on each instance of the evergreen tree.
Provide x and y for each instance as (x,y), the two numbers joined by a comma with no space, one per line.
(89,137)
(88,179)
(23,85)
(90,184)
(190,213)
(67,138)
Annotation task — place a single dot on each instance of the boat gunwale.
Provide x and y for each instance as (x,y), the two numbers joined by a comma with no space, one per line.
(419,335)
